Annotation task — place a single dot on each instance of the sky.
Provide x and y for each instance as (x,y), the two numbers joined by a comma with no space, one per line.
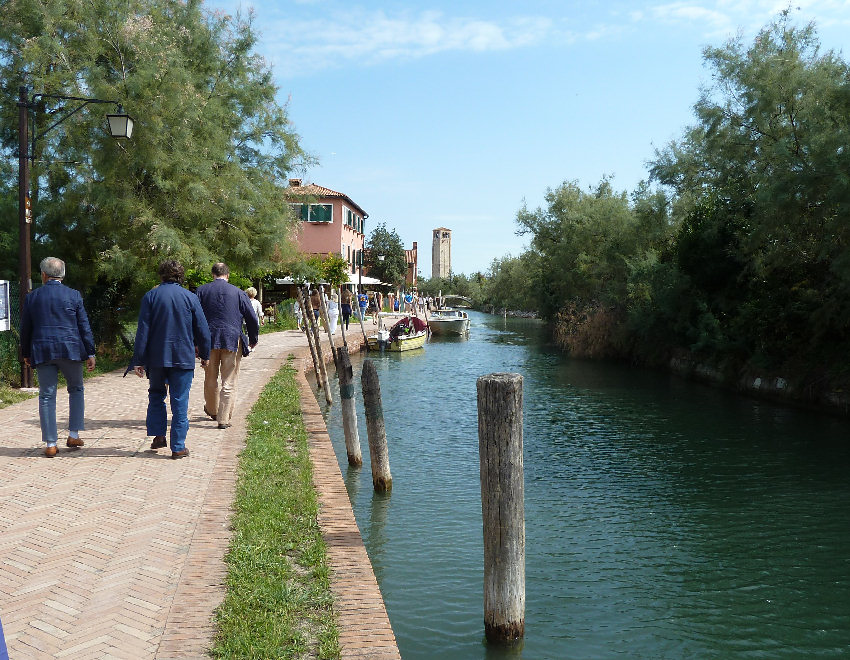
(457,113)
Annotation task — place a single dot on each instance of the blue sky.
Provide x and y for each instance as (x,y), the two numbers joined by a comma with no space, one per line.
(455,114)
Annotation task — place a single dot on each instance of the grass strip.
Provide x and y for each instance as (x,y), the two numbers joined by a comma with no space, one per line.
(278,602)
(10,395)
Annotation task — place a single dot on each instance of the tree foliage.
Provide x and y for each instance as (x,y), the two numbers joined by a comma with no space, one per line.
(742,255)
(202,178)
(386,243)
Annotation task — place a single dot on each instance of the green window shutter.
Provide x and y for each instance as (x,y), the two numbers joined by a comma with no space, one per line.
(321,213)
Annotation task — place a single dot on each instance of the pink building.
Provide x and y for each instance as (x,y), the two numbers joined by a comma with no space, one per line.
(412,258)
(331,222)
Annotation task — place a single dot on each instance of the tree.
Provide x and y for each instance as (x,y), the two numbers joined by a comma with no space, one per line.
(203,178)
(582,239)
(385,243)
(763,193)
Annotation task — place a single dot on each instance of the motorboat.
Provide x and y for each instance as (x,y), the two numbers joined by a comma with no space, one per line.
(449,321)
(408,333)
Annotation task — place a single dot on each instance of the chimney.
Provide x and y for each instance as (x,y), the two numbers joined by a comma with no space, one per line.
(294,183)
(414,246)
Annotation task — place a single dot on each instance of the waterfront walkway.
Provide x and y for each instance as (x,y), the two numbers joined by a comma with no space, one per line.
(116,551)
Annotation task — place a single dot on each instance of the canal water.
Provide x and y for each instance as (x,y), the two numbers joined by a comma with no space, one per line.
(664,519)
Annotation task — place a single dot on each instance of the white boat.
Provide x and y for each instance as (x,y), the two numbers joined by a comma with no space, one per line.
(407,334)
(448,321)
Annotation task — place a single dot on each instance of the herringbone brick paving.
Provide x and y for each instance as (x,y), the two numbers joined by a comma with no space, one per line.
(116,551)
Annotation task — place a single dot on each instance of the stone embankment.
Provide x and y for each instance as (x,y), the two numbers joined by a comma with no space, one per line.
(815,394)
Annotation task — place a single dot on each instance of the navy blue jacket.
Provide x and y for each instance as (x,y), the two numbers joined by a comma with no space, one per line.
(171,325)
(54,325)
(225,306)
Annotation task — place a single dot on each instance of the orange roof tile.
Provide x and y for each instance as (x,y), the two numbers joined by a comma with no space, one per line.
(319,192)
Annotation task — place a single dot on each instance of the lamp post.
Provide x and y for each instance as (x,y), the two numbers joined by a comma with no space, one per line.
(120,126)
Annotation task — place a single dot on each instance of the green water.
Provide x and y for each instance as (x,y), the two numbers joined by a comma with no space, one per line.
(664,519)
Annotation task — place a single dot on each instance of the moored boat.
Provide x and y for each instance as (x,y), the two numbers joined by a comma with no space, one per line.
(407,334)
(449,321)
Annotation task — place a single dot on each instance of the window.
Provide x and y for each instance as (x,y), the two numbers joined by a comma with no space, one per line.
(314,212)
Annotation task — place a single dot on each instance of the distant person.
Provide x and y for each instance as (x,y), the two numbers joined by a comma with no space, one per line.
(56,336)
(296,308)
(363,303)
(226,306)
(172,330)
(333,312)
(251,292)
(315,303)
(345,306)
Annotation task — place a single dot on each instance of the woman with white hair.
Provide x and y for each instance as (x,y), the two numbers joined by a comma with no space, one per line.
(258,308)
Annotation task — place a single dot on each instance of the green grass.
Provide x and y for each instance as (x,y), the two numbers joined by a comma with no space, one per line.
(278,602)
(10,395)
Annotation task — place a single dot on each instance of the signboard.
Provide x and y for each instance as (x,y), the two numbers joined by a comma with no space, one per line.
(5,311)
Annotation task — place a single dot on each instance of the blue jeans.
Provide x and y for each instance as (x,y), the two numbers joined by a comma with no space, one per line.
(48,379)
(177,383)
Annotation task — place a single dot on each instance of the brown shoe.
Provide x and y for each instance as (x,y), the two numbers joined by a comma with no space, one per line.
(50,452)
(158,442)
(209,414)
(179,454)
(74,442)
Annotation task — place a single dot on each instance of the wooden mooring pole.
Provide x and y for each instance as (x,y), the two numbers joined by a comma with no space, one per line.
(313,326)
(341,322)
(309,337)
(382,480)
(323,312)
(349,412)
(502,506)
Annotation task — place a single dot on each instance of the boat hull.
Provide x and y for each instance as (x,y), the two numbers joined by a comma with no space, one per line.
(398,345)
(449,326)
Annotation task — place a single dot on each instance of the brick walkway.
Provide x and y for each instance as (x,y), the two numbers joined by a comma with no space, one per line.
(116,551)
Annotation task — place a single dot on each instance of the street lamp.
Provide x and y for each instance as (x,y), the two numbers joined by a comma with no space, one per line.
(120,126)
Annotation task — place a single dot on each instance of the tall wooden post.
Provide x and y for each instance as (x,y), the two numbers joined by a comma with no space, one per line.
(502,506)
(382,480)
(313,326)
(309,338)
(341,322)
(323,311)
(349,412)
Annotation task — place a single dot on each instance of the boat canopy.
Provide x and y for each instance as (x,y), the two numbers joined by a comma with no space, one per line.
(409,325)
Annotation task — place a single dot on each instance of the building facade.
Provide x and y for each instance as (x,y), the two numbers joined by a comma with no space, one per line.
(331,222)
(441,253)
(411,257)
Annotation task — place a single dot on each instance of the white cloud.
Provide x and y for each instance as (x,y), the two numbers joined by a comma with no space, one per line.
(712,20)
(302,46)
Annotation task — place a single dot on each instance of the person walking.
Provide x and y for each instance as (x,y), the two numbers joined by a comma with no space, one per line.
(172,330)
(225,307)
(345,306)
(251,292)
(333,312)
(363,303)
(56,336)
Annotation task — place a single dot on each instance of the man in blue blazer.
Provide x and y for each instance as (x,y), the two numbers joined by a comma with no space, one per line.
(225,307)
(56,336)
(172,331)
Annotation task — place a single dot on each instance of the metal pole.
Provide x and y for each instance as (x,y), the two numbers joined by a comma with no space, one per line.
(24,217)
